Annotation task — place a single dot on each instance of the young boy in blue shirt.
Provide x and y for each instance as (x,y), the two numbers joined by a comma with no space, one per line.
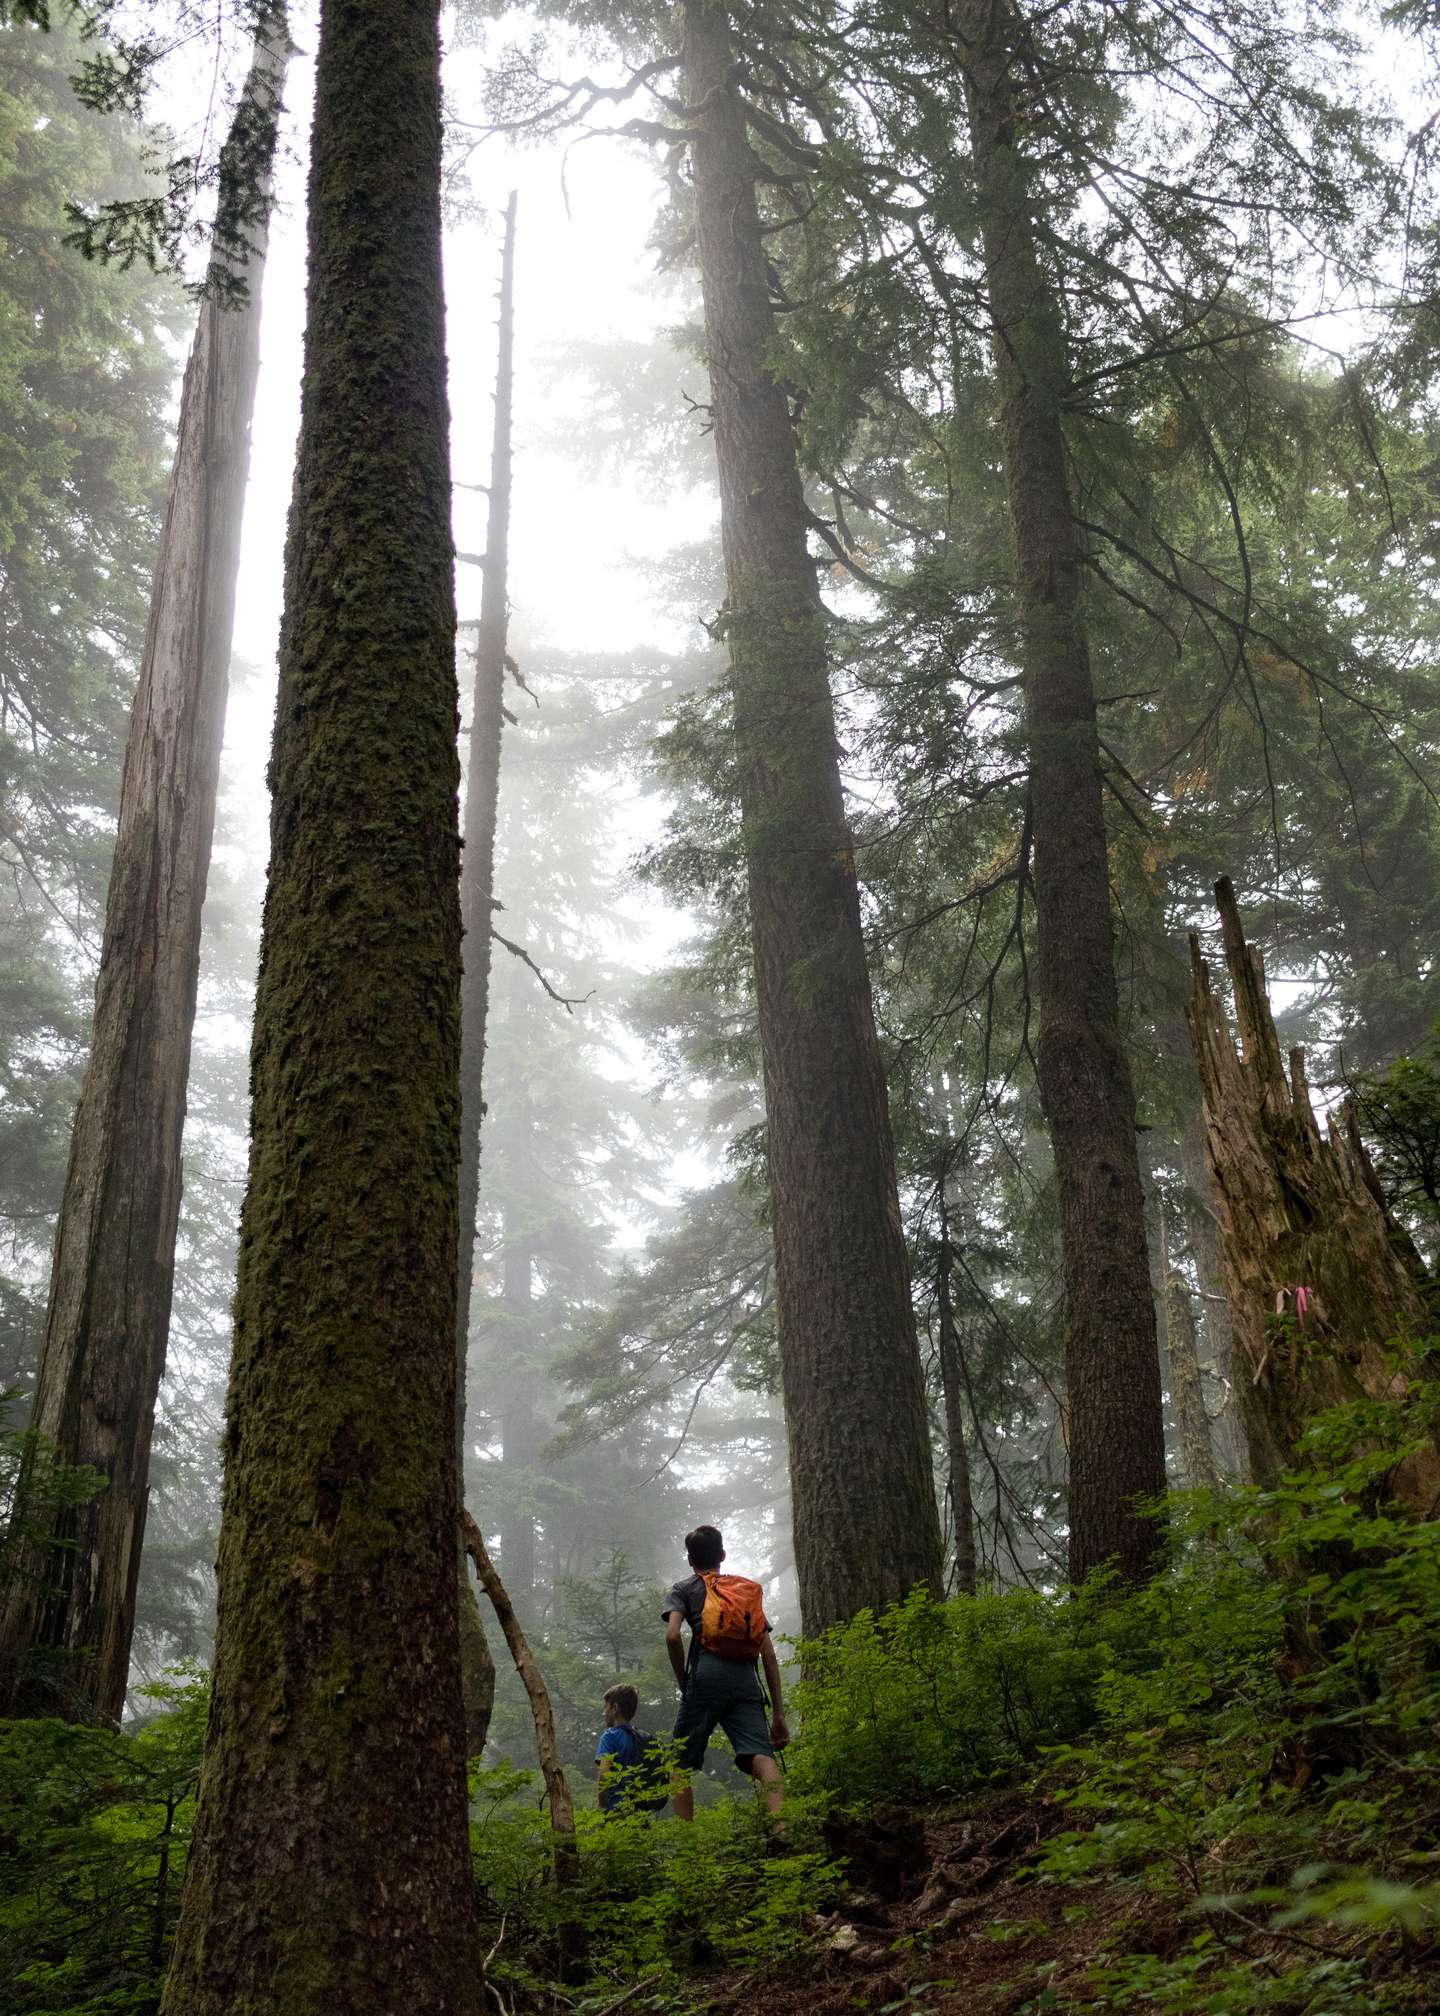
(619,1745)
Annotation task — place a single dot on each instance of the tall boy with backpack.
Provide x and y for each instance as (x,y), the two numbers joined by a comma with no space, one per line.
(719,1681)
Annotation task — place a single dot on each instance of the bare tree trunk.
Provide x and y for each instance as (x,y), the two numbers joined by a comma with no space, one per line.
(1228,1436)
(1317,1279)
(330,1867)
(952,1386)
(866,1524)
(66,1630)
(1116,1429)
(557,1789)
(1187,1385)
(519,1431)
(477,903)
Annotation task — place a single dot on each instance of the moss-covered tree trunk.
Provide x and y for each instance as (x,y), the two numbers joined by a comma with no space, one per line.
(1319,1281)
(330,1869)
(866,1525)
(66,1630)
(1116,1429)
(477,904)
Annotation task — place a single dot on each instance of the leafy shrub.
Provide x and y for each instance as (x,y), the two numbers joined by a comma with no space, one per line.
(933,1699)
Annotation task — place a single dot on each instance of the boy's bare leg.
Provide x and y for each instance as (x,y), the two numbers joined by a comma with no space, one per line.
(682,1792)
(766,1773)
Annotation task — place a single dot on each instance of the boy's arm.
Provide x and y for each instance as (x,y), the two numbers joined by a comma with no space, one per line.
(674,1619)
(607,1757)
(779,1727)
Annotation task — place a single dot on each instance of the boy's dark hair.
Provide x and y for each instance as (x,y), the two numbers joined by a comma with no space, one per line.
(705,1547)
(625,1699)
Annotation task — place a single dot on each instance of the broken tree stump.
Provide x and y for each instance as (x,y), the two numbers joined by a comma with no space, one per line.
(1320,1279)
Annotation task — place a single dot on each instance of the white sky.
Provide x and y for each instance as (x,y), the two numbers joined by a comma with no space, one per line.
(579,274)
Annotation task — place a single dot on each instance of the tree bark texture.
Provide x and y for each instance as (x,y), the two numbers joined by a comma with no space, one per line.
(1116,1430)
(557,1788)
(866,1525)
(66,1631)
(477,904)
(1297,1210)
(330,1868)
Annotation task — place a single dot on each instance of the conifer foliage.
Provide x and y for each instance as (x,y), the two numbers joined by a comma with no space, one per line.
(85,378)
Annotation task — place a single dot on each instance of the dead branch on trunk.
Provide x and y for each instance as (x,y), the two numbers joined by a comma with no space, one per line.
(562,1810)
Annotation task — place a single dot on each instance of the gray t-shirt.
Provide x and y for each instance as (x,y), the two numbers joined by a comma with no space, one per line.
(688,1597)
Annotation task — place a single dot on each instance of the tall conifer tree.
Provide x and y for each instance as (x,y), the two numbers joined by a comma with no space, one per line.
(866,1525)
(330,1866)
(1116,1431)
(477,904)
(65,1635)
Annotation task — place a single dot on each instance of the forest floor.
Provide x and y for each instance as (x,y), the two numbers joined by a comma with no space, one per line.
(944,1914)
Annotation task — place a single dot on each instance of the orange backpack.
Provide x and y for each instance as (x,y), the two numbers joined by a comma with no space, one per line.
(732,1623)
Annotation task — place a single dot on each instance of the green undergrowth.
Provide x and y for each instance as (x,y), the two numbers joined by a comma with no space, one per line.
(1271,1771)
(1247,1750)
(658,1903)
(1245,1754)
(94,1828)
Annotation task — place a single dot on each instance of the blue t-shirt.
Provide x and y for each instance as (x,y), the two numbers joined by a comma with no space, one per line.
(623,1745)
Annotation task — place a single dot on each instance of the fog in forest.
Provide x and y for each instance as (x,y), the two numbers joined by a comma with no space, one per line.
(943,511)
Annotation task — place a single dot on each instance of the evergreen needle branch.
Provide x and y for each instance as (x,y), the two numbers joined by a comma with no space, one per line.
(46,898)
(826,531)
(1204,606)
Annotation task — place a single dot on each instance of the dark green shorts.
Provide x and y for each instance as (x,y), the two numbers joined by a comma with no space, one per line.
(722,1694)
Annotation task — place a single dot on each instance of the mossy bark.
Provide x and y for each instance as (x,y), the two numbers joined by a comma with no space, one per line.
(866,1525)
(1116,1428)
(66,1630)
(477,904)
(329,1869)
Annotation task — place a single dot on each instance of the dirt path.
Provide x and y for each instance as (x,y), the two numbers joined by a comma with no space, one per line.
(943,1917)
